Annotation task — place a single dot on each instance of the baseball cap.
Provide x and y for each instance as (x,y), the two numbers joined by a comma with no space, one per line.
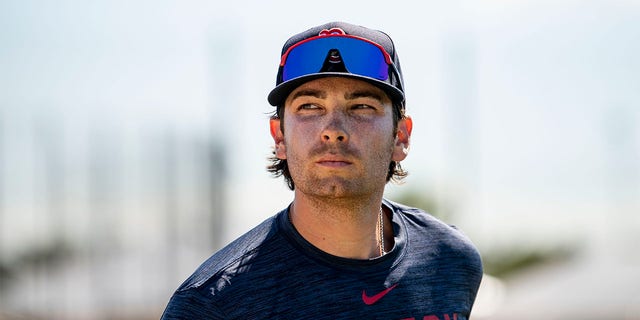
(339,49)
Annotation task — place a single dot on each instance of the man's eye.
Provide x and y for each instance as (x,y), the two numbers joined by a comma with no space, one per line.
(308,106)
(363,107)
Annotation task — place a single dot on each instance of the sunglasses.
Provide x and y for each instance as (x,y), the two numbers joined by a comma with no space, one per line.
(359,56)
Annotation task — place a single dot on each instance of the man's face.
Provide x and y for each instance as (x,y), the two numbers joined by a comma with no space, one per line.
(339,137)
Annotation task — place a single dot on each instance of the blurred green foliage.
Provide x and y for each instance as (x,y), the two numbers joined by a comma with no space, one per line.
(506,262)
(51,255)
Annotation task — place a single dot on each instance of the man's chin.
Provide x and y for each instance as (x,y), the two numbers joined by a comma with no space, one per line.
(332,187)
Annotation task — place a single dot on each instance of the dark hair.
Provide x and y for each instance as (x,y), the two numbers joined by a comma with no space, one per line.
(279,167)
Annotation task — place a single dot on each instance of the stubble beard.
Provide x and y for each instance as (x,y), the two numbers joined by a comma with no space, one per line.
(340,186)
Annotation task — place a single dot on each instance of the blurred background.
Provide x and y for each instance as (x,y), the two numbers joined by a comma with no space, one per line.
(133,138)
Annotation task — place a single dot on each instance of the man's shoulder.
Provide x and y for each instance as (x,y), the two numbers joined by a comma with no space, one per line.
(422,218)
(427,230)
(418,217)
(239,250)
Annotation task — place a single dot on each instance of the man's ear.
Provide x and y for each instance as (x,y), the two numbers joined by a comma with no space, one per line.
(278,138)
(403,135)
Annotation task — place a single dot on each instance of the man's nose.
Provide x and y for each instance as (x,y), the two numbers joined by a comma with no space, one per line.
(334,129)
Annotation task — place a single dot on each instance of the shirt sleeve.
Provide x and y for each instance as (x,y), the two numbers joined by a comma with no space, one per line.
(191,304)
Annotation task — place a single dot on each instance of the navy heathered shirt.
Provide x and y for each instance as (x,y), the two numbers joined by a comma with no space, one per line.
(432,273)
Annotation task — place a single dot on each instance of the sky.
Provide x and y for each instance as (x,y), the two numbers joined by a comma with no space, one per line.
(528,102)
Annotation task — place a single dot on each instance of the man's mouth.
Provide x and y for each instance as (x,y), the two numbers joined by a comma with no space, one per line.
(335,162)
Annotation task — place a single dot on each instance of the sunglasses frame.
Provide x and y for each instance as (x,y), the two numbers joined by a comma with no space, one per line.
(385,54)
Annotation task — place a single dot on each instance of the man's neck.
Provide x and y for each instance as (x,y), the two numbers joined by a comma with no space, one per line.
(346,228)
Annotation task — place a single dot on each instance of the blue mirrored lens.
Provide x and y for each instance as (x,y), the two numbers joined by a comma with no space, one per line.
(359,57)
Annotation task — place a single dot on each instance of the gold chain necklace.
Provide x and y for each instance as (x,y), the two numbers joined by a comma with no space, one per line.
(380,230)
(381,233)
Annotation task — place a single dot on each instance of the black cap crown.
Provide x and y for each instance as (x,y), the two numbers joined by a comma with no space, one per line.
(393,86)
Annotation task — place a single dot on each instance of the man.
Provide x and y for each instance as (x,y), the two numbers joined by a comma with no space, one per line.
(339,251)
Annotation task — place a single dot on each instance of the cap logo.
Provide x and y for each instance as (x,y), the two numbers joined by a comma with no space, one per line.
(331,32)
(334,56)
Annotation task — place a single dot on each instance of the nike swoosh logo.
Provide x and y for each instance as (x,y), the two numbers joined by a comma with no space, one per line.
(373,299)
